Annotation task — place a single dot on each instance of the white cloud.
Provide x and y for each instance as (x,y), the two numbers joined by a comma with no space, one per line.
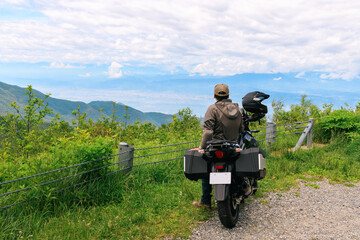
(17,2)
(86,75)
(219,38)
(300,75)
(345,76)
(277,79)
(115,70)
(62,65)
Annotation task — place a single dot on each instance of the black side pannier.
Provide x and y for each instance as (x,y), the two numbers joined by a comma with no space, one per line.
(251,163)
(195,167)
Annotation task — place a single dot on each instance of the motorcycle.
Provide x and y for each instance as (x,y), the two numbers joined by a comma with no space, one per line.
(233,168)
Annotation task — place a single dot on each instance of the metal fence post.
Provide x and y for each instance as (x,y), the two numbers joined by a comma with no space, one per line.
(126,157)
(270,135)
(310,134)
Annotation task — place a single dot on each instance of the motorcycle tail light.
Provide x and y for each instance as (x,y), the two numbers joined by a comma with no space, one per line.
(219,167)
(219,154)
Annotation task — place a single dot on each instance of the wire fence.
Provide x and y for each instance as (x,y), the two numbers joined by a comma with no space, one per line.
(261,135)
(285,135)
(14,192)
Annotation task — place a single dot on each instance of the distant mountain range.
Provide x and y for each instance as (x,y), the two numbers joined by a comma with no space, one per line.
(12,93)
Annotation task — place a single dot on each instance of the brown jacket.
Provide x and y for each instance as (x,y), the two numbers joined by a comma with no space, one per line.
(223,121)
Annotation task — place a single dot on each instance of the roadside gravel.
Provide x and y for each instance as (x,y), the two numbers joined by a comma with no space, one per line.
(329,212)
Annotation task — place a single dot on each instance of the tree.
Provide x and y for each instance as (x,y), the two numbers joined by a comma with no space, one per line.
(298,112)
(19,129)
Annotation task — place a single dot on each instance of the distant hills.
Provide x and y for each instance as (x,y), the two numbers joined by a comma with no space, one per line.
(12,93)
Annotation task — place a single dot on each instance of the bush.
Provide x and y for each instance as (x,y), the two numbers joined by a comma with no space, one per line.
(87,151)
(339,122)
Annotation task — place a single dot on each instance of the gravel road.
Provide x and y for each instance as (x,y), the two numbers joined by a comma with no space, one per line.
(329,212)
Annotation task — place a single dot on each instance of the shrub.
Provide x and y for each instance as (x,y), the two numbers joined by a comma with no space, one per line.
(18,130)
(87,151)
(343,122)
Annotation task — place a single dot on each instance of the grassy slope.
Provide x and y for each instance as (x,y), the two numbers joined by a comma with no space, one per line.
(155,201)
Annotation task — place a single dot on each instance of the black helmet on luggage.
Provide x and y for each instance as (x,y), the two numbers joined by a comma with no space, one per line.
(252,102)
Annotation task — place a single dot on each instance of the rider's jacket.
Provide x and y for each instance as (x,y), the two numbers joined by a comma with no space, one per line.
(222,121)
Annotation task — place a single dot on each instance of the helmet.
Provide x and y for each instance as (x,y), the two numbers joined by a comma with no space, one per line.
(252,102)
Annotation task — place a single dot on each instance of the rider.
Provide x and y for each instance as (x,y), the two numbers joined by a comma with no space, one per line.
(222,121)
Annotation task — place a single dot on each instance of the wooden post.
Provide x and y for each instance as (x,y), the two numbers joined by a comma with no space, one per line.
(270,135)
(304,134)
(310,134)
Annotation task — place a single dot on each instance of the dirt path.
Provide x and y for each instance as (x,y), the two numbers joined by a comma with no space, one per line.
(327,212)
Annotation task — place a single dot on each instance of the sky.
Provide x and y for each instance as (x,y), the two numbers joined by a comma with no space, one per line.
(162,56)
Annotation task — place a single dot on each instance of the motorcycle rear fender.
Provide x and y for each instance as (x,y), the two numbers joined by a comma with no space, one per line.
(221,191)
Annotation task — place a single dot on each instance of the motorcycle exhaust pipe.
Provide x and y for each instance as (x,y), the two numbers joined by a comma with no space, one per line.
(246,187)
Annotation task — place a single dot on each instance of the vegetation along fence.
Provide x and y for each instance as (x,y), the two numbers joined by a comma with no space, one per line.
(35,187)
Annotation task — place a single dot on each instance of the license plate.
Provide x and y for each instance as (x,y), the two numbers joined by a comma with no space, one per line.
(220,178)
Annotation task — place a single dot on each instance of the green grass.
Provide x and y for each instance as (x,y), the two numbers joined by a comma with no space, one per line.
(154,201)
(313,185)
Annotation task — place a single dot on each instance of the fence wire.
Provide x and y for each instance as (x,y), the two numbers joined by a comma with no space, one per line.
(170,145)
(60,190)
(289,129)
(155,154)
(61,169)
(167,160)
(290,124)
(284,135)
(61,179)
(93,170)
(259,135)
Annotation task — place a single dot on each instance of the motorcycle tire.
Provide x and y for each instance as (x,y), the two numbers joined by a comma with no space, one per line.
(228,211)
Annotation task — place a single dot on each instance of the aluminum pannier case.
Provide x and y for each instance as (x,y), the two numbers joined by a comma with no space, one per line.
(251,163)
(195,167)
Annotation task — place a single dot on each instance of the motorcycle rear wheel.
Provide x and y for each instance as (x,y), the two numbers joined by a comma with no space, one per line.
(228,211)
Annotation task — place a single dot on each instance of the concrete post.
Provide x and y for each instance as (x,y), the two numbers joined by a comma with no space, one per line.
(126,157)
(270,135)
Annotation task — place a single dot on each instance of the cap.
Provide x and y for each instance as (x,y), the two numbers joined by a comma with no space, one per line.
(221,90)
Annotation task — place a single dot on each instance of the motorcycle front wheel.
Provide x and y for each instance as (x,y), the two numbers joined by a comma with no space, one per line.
(228,211)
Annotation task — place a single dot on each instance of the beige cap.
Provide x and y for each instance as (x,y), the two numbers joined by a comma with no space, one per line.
(221,90)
